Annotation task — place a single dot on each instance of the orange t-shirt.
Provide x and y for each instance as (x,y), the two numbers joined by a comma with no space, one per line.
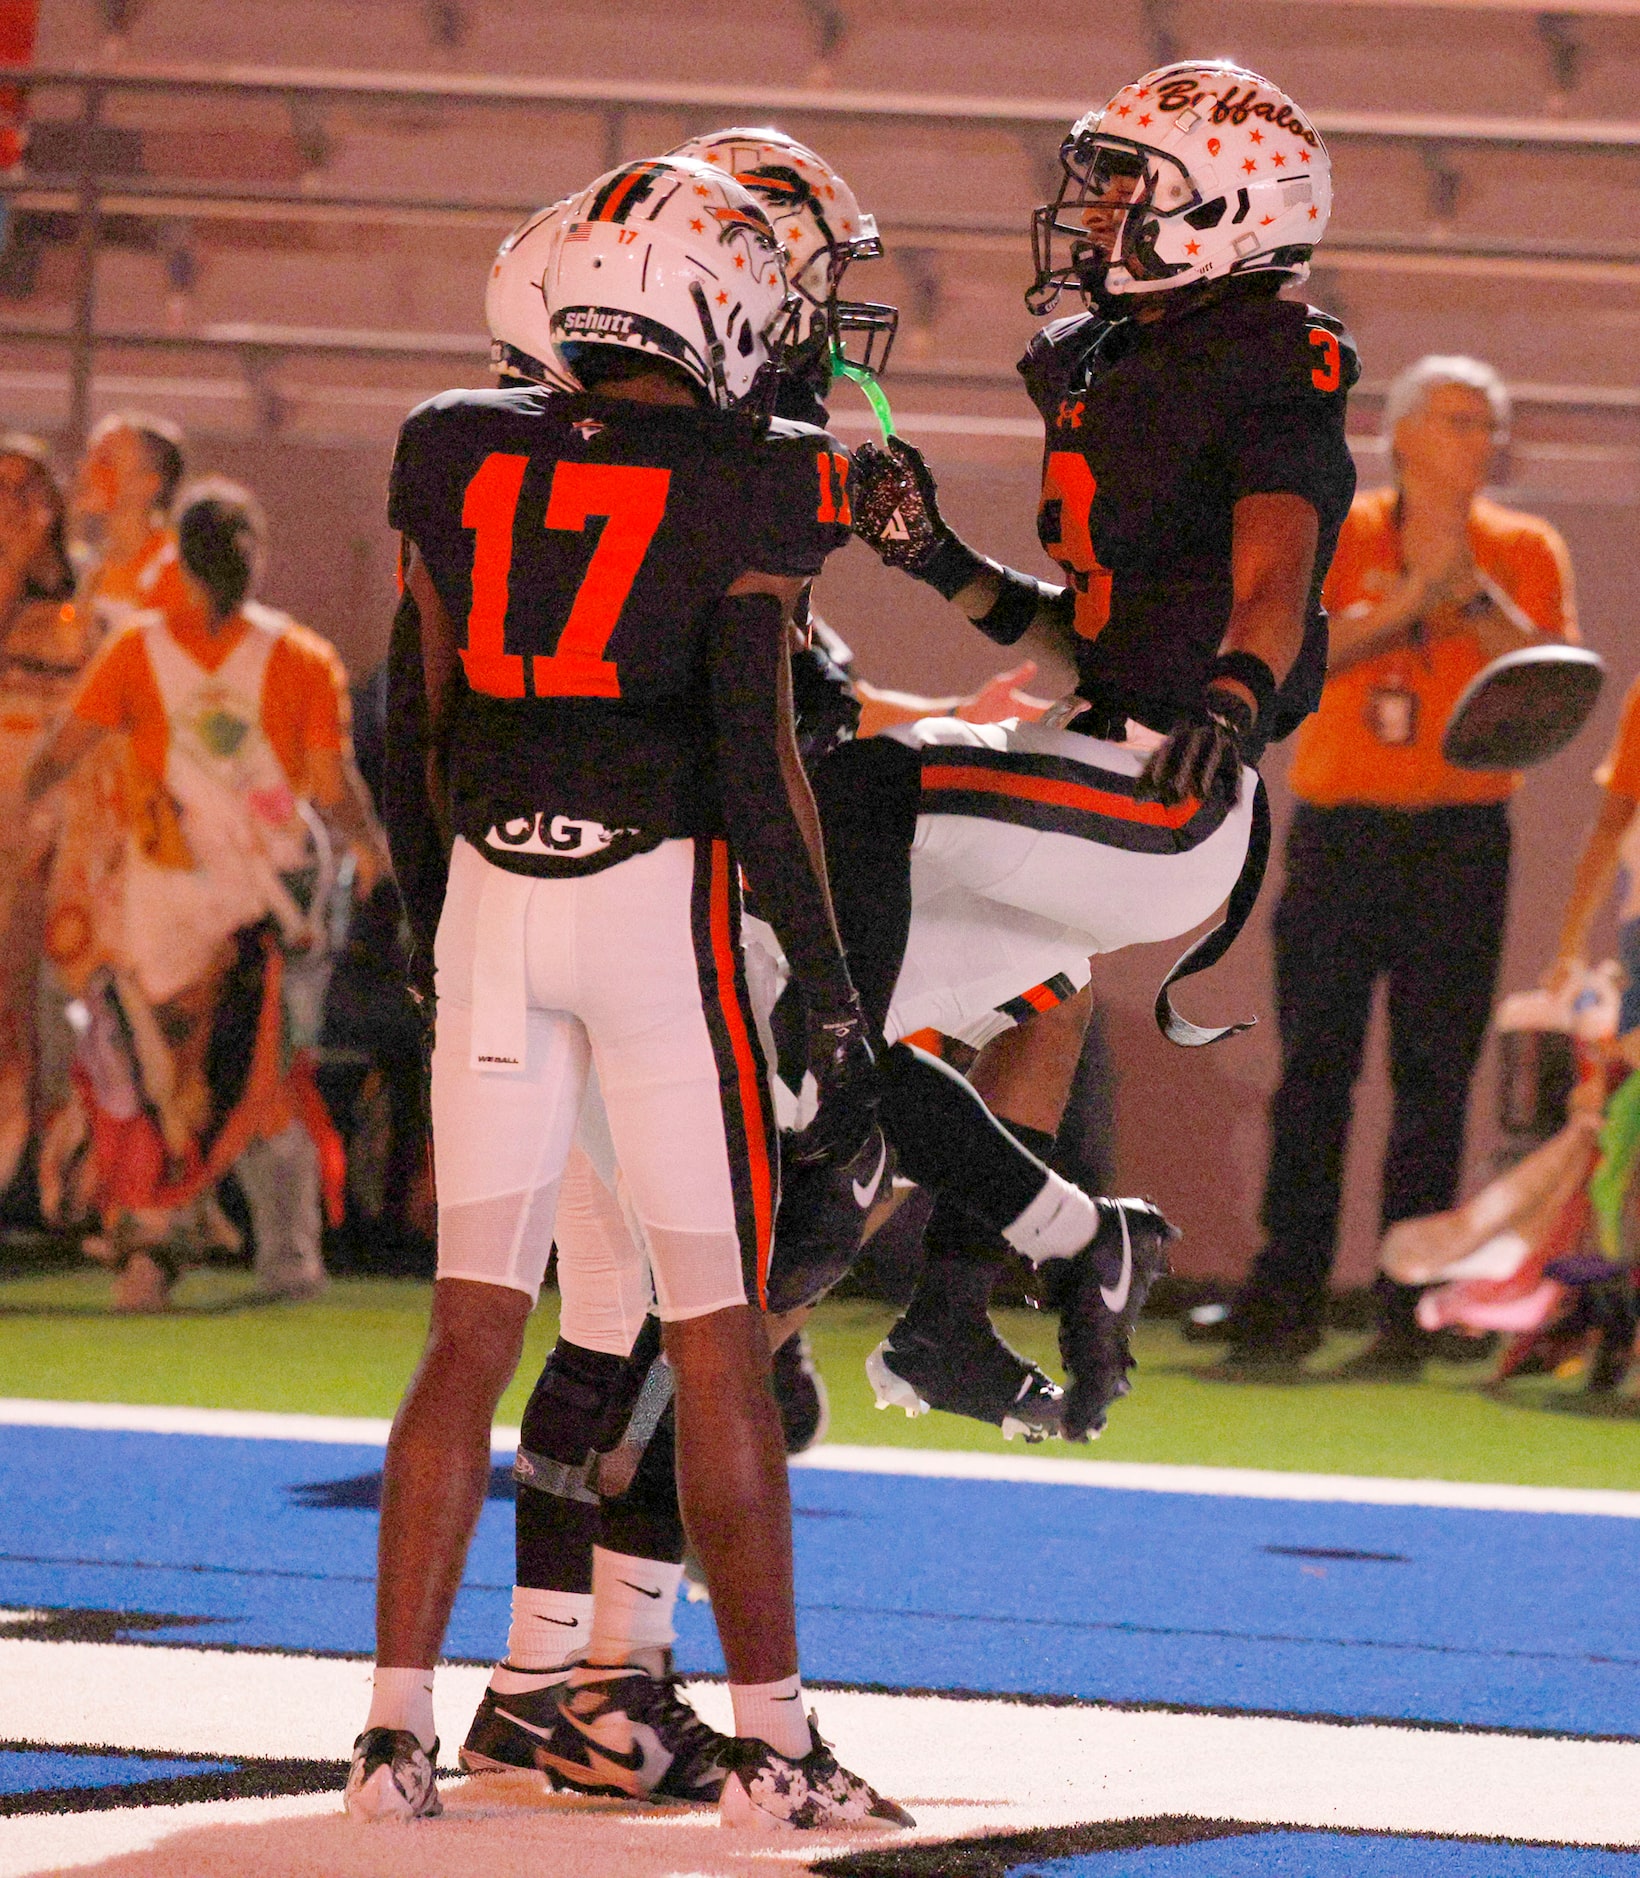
(1376,738)
(304,695)
(152,577)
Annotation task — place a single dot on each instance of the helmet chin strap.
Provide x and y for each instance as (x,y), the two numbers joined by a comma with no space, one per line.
(714,347)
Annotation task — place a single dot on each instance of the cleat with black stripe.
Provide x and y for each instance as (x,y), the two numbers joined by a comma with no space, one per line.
(625,1733)
(509,1729)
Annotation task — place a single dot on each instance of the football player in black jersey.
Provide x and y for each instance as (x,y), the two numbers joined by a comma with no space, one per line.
(599,1542)
(600,582)
(1195,478)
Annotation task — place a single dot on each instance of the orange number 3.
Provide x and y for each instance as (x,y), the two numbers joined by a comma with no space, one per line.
(1329,374)
(1069,480)
(631,502)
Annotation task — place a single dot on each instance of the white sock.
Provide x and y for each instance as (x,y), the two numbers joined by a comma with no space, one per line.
(403,1698)
(549,1628)
(1057,1223)
(773,1712)
(632,1604)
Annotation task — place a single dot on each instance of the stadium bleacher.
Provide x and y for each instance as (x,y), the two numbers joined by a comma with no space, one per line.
(298,200)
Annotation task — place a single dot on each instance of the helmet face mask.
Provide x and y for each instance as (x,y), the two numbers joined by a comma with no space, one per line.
(1195,172)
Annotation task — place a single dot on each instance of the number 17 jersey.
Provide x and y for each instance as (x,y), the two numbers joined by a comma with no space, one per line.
(580,545)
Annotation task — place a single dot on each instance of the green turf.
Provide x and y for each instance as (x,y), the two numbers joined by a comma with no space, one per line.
(351,1352)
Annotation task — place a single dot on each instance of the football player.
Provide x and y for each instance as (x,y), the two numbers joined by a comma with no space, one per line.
(600,581)
(599,1539)
(1194,481)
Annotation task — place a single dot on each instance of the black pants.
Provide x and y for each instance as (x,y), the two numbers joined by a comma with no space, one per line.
(1417,899)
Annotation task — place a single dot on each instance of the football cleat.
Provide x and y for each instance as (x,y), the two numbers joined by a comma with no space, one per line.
(392,1777)
(765,1789)
(959,1364)
(508,1729)
(824,1207)
(1100,1294)
(625,1733)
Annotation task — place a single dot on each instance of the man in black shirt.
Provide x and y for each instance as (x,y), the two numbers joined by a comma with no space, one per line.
(599,583)
(1195,477)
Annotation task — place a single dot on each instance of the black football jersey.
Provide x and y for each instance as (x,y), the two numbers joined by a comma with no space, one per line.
(581,544)
(1154,433)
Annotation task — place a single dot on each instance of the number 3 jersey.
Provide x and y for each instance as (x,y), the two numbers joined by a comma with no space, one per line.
(1154,432)
(581,545)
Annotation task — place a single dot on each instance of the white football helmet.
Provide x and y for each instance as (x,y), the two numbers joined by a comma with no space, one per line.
(515,305)
(822,228)
(673,259)
(1196,171)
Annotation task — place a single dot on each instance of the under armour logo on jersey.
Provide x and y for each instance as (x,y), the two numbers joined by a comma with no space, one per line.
(588,427)
(894,529)
(1070,415)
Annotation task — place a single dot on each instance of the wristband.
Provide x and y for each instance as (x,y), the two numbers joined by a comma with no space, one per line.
(1248,669)
(949,567)
(1014,607)
(1231,708)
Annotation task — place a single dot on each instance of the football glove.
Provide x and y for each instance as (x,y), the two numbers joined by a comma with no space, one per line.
(1204,760)
(896,506)
(844,1066)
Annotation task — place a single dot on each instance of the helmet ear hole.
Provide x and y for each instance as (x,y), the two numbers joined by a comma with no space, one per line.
(1209,215)
(747,342)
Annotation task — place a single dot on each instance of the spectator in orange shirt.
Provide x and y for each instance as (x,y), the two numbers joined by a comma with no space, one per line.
(1397,863)
(122,500)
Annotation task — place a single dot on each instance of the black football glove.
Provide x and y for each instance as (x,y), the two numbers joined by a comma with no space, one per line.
(895,504)
(1203,760)
(844,1066)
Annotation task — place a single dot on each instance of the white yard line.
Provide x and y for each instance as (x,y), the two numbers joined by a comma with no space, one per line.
(922,1463)
(962,1766)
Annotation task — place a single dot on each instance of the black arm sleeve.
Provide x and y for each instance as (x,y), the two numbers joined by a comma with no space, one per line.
(748,663)
(419,846)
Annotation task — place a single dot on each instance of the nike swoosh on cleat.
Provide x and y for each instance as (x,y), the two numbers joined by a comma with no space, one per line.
(632,1761)
(643,1589)
(518,1721)
(1116,1297)
(865,1193)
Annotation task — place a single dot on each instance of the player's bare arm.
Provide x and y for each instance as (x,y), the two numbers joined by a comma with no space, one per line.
(1596,870)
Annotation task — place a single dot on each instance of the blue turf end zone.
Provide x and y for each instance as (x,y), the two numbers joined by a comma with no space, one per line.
(1516,1620)
(44,1770)
(1337,1855)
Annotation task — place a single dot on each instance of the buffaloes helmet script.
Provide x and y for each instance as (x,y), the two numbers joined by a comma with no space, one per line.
(822,227)
(1195,172)
(515,305)
(673,259)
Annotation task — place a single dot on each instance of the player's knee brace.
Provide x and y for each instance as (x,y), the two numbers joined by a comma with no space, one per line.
(580,1395)
(645,1520)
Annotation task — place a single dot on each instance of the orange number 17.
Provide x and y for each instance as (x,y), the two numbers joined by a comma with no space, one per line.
(632,502)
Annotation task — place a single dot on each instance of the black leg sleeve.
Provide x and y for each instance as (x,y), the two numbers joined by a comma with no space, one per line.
(949,1141)
(868,795)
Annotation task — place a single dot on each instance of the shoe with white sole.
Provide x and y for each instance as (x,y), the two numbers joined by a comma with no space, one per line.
(631,1735)
(958,1363)
(766,1790)
(392,1777)
(509,1729)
